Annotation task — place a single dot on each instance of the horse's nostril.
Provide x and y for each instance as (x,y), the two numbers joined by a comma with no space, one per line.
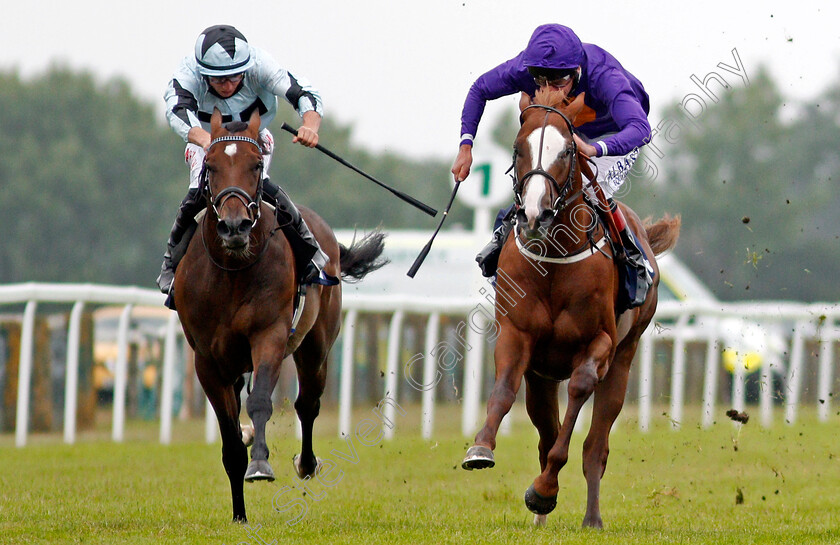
(244,227)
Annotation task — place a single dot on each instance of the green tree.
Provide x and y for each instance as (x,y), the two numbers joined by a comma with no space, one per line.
(755,193)
(88,182)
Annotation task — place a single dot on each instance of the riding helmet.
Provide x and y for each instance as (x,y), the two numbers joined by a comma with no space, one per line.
(221,50)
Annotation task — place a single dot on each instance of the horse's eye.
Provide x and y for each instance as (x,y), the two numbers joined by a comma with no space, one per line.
(259,166)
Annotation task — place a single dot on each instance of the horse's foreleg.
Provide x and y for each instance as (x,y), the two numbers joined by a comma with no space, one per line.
(609,398)
(225,404)
(542,405)
(541,496)
(513,351)
(260,408)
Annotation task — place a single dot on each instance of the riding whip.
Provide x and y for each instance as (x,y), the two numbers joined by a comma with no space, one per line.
(425,251)
(407,198)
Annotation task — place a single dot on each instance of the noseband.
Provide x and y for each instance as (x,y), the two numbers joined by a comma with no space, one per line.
(251,204)
(560,202)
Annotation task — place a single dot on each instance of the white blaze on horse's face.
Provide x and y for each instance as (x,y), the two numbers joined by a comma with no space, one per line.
(230,149)
(553,144)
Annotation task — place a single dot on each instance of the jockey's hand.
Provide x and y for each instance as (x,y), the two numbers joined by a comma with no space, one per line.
(199,137)
(461,167)
(307,134)
(587,149)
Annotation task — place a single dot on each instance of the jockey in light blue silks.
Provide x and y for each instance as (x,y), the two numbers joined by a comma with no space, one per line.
(611,129)
(228,74)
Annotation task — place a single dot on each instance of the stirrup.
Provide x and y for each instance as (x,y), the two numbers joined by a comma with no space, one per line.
(165,280)
(313,274)
(488,257)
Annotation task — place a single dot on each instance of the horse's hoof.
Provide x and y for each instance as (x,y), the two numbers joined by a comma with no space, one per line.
(299,470)
(539,520)
(478,457)
(240,519)
(593,522)
(259,470)
(538,504)
(247,434)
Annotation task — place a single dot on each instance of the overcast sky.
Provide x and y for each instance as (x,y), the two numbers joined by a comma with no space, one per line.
(399,71)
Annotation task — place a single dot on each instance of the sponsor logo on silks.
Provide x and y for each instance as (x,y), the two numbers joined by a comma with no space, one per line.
(620,170)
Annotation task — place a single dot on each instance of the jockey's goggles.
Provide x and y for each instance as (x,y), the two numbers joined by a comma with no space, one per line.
(233,78)
(553,77)
(543,81)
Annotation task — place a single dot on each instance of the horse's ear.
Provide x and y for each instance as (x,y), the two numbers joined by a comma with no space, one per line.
(574,108)
(215,120)
(254,122)
(525,100)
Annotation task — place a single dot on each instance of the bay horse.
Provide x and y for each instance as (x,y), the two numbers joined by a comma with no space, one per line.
(565,326)
(235,293)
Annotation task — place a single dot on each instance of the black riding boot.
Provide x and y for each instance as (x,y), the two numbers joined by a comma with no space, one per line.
(310,258)
(179,238)
(637,274)
(488,258)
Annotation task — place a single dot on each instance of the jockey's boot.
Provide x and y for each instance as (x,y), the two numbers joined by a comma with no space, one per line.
(310,258)
(638,272)
(488,257)
(179,238)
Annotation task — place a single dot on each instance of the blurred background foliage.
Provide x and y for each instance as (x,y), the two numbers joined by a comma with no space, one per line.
(91,177)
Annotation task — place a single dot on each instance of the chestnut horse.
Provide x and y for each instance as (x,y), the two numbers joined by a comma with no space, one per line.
(235,292)
(565,326)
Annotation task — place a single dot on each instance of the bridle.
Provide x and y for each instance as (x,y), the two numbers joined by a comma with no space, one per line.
(561,202)
(252,204)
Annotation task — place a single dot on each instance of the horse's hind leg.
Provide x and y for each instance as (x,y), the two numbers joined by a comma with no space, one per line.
(541,496)
(609,398)
(513,351)
(310,359)
(542,405)
(226,405)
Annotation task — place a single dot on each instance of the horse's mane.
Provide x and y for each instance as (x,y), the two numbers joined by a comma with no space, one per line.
(554,98)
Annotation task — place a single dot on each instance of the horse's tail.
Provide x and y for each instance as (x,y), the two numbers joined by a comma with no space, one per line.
(663,234)
(362,257)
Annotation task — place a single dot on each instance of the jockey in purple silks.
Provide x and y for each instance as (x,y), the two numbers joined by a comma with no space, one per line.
(611,130)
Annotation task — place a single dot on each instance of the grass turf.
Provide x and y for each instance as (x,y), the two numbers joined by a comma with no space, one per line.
(724,485)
